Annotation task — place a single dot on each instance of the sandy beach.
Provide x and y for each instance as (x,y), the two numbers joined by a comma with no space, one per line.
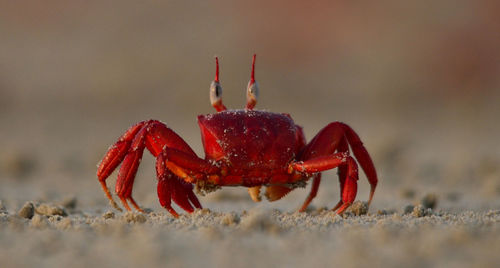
(259,236)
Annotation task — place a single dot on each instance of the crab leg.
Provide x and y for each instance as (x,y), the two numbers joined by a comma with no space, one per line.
(363,158)
(335,137)
(342,171)
(327,162)
(114,157)
(312,194)
(255,193)
(128,169)
(169,148)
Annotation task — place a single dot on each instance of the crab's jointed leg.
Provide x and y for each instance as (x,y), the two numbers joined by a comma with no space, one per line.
(319,155)
(326,162)
(114,157)
(312,194)
(177,164)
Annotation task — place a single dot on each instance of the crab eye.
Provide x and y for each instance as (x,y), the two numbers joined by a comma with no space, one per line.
(216,90)
(252,91)
(215,93)
(252,88)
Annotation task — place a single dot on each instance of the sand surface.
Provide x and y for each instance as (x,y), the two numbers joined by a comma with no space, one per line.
(62,233)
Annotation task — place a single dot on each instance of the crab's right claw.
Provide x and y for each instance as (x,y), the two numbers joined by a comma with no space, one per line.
(170,187)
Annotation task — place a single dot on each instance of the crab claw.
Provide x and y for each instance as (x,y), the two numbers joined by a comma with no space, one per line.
(170,187)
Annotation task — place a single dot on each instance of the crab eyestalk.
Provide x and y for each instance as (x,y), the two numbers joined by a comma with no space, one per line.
(216,90)
(252,88)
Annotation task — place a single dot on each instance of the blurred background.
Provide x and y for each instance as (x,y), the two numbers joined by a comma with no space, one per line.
(419,81)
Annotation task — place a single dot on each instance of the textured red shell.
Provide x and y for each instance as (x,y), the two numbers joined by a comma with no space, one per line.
(249,139)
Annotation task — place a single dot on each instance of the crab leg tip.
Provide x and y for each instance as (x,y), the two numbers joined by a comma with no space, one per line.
(125,204)
(173,212)
(115,205)
(109,196)
(136,206)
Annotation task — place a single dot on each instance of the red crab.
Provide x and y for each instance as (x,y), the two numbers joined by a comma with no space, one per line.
(246,147)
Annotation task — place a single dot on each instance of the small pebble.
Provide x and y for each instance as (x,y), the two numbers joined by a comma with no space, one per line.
(203,211)
(359,208)
(147,210)
(27,211)
(132,217)
(418,211)
(50,210)
(108,215)
(493,213)
(230,219)
(140,218)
